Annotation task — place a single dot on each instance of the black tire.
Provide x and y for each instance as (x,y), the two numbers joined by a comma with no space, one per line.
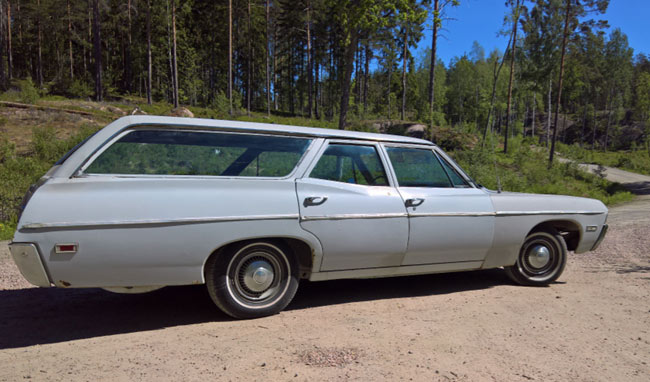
(541,260)
(252,279)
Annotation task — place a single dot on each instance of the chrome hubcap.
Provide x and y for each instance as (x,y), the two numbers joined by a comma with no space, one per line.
(539,256)
(257,275)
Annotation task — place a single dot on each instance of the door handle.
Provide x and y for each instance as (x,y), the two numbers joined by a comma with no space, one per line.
(314,201)
(414,202)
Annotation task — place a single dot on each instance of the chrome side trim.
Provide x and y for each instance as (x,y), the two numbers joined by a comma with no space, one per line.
(444,214)
(522,213)
(434,214)
(354,216)
(158,221)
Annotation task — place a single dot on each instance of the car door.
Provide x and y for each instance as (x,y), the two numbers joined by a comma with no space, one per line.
(450,220)
(347,201)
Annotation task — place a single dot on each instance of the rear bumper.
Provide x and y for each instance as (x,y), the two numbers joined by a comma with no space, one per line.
(29,263)
(603,232)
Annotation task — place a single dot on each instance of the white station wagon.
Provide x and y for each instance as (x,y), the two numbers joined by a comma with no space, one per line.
(250,209)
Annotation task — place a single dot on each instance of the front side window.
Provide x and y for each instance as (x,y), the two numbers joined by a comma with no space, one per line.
(355,164)
(417,168)
(455,177)
(170,152)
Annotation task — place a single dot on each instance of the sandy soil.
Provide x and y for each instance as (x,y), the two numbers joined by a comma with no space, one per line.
(592,325)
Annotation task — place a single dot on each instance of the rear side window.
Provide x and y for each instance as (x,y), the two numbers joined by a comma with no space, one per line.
(169,152)
(417,168)
(355,164)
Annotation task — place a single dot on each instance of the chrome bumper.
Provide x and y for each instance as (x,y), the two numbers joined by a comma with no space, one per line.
(29,263)
(603,232)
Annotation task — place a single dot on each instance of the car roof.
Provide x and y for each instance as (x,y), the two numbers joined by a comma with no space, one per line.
(147,120)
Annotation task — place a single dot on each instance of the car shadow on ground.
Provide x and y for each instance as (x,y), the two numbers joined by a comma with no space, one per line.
(49,315)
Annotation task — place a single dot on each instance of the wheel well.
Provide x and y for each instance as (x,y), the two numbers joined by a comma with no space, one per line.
(302,250)
(569,230)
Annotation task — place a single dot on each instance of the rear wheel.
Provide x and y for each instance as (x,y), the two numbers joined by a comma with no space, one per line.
(252,279)
(541,259)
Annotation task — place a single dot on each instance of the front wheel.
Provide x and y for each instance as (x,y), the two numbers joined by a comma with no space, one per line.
(252,279)
(541,259)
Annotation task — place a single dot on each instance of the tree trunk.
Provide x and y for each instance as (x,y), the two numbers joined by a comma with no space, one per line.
(275,68)
(317,91)
(174,59)
(346,79)
(149,64)
(268,73)
(512,75)
(584,123)
(532,130)
(366,76)
(310,76)
(40,40)
(390,67)
(70,58)
(230,55)
(9,50)
(548,114)
(97,47)
(497,71)
(559,85)
(593,128)
(404,54)
(127,53)
(609,120)
(249,69)
(432,69)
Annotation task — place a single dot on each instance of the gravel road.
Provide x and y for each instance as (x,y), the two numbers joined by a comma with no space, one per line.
(592,325)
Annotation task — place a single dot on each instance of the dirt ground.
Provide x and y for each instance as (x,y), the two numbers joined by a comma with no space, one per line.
(592,325)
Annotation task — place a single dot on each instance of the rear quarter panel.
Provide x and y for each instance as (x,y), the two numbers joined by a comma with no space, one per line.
(152,231)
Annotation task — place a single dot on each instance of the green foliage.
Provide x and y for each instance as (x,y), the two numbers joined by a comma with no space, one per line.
(524,169)
(80,89)
(633,160)
(17,173)
(27,92)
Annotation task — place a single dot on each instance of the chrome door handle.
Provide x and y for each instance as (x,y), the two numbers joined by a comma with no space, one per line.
(414,202)
(314,201)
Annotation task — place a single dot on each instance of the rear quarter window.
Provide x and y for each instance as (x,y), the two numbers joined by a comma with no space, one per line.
(170,152)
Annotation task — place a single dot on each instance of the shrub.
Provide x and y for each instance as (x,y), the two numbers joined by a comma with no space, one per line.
(28,92)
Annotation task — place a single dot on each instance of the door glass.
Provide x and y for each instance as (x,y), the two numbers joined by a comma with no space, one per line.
(351,164)
(417,168)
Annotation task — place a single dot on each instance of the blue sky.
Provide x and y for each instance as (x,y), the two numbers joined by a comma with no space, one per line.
(480,20)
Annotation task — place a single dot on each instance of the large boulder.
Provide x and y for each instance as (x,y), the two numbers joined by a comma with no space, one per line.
(182,112)
(417,131)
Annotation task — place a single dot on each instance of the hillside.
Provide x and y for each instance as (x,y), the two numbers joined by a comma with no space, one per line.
(35,136)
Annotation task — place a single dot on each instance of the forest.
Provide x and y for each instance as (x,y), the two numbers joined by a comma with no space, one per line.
(340,61)
(564,82)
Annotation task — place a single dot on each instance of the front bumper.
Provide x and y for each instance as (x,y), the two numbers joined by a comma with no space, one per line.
(29,263)
(603,232)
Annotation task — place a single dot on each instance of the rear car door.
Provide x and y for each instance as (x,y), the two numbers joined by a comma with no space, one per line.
(347,201)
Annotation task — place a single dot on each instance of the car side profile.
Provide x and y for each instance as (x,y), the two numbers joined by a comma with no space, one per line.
(250,209)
